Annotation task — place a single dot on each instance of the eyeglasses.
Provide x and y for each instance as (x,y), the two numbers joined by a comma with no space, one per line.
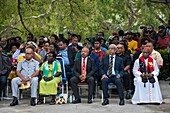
(119,47)
(96,43)
(49,56)
(60,44)
(111,48)
(28,53)
(146,52)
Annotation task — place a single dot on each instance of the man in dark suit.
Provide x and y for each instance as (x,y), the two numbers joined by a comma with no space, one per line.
(112,69)
(84,70)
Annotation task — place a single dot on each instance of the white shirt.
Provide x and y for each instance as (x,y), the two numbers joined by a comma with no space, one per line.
(79,43)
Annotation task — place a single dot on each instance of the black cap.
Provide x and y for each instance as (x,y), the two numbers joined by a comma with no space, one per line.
(129,33)
(161,27)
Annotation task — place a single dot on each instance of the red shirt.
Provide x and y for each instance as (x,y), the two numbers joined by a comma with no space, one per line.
(100,53)
(162,43)
(168,37)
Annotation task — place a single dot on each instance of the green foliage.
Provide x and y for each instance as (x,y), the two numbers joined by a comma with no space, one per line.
(84,17)
(165,69)
(164,54)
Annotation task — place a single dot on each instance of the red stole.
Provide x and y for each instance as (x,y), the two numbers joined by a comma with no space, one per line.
(150,64)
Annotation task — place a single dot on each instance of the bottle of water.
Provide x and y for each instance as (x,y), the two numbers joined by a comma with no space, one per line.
(71,98)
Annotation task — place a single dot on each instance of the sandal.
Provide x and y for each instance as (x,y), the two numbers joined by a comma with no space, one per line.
(40,102)
(52,102)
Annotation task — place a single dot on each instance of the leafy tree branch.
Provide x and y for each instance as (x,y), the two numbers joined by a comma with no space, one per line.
(20,15)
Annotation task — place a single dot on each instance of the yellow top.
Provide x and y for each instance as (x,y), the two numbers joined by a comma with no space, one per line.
(132,45)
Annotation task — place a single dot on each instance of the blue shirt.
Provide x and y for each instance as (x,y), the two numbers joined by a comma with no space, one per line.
(65,56)
(104,49)
(27,68)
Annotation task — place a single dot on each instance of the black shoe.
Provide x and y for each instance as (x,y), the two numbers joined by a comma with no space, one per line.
(76,101)
(89,101)
(157,103)
(105,102)
(128,96)
(33,102)
(122,102)
(14,102)
(142,103)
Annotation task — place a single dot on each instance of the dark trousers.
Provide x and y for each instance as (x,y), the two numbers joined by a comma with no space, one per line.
(127,81)
(117,82)
(3,83)
(69,73)
(74,85)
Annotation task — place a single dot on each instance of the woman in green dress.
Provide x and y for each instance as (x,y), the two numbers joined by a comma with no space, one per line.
(51,76)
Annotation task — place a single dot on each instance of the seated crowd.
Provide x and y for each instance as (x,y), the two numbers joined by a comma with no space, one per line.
(127,60)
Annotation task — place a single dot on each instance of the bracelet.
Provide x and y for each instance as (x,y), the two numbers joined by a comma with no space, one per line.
(30,77)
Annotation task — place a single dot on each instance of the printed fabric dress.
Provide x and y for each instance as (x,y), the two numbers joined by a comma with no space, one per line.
(49,87)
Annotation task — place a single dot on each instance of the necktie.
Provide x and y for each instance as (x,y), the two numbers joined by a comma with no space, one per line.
(83,67)
(110,66)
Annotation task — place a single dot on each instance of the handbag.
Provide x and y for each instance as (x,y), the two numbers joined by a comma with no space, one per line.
(61,99)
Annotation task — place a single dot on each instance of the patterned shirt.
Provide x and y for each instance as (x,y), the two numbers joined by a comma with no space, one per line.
(156,56)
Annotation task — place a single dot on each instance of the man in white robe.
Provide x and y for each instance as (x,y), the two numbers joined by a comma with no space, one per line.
(146,83)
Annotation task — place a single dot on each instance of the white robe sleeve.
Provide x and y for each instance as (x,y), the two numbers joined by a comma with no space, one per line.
(16,54)
(135,69)
(156,69)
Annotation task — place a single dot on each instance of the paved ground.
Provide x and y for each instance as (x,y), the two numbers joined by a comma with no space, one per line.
(96,107)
